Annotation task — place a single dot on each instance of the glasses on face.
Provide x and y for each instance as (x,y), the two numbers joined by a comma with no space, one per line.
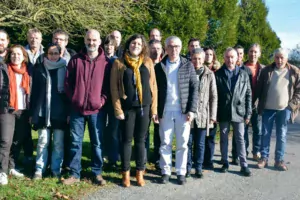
(173,47)
(53,53)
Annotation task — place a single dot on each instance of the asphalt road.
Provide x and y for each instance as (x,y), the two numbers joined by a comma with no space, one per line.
(264,184)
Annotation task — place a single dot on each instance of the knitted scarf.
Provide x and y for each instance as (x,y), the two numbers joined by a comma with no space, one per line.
(25,83)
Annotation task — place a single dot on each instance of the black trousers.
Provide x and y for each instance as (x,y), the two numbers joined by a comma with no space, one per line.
(134,126)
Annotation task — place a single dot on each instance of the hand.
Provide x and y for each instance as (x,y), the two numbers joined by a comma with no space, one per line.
(120,117)
(247,121)
(189,117)
(155,119)
(68,119)
(212,121)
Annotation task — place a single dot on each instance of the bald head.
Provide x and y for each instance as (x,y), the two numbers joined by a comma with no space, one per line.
(92,40)
(118,37)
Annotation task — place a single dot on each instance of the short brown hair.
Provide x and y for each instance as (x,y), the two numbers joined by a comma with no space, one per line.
(7,57)
(145,49)
(4,31)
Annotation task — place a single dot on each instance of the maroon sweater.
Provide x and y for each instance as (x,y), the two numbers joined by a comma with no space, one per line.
(87,82)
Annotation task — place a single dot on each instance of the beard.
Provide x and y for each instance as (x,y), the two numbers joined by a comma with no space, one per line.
(2,49)
(154,55)
(91,48)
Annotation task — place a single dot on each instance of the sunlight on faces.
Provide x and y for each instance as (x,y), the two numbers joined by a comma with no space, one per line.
(280,60)
(3,42)
(254,54)
(155,50)
(136,47)
(240,55)
(155,35)
(173,49)
(53,54)
(92,41)
(118,37)
(109,48)
(209,56)
(61,40)
(16,56)
(198,59)
(231,58)
(193,45)
(34,40)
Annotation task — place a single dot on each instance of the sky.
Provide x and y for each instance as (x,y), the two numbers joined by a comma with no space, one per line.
(284,17)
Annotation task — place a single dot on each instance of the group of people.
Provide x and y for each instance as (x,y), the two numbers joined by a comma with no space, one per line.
(118,90)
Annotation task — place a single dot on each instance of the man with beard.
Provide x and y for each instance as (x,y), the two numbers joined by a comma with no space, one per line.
(87,87)
(4,41)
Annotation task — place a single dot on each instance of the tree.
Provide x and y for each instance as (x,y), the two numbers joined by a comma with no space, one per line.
(294,56)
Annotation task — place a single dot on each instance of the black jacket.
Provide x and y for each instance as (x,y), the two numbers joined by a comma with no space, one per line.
(4,89)
(234,107)
(188,86)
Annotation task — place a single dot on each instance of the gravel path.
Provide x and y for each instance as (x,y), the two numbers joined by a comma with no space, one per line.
(265,184)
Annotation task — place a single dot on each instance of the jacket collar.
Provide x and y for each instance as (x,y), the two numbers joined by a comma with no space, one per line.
(85,56)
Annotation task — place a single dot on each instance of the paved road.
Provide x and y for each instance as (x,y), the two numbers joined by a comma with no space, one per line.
(265,184)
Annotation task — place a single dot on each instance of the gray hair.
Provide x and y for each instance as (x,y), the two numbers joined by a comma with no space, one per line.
(34,30)
(198,51)
(255,45)
(61,32)
(172,38)
(230,49)
(282,51)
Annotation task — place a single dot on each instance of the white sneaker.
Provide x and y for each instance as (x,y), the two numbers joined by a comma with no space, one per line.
(15,173)
(3,179)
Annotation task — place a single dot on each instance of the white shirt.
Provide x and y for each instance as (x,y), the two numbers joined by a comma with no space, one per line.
(20,92)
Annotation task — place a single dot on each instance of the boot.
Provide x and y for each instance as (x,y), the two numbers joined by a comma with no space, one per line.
(140,178)
(126,178)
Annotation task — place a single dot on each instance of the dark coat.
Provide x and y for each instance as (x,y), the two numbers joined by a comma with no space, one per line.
(236,106)
(4,89)
(188,86)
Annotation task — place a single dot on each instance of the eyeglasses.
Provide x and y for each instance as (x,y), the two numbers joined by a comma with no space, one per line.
(53,53)
(173,47)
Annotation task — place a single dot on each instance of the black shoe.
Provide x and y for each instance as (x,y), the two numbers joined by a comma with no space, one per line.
(165,179)
(245,171)
(188,174)
(181,180)
(157,167)
(224,168)
(199,174)
(235,161)
(210,166)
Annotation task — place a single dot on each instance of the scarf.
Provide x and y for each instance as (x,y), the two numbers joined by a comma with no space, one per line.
(135,65)
(25,83)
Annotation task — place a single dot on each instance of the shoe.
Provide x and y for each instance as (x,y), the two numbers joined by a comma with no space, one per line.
(188,174)
(181,180)
(256,156)
(71,180)
(235,161)
(126,178)
(280,166)
(3,179)
(157,166)
(99,180)
(199,174)
(245,171)
(224,168)
(37,176)
(165,179)
(15,173)
(140,178)
(209,166)
(262,163)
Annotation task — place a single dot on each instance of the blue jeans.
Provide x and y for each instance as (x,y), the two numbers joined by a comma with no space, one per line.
(77,128)
(197,136)
(281,118)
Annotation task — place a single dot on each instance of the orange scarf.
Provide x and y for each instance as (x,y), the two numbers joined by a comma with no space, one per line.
(12,70)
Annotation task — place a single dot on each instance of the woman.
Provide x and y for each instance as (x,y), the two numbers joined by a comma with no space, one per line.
(206,112)
(211,59)
(14,91)
(133,90)
(49,109)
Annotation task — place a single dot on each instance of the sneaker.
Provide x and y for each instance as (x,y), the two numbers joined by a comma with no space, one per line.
(181,180)
(37,176)
(262,163)
(70,181)
(15,173)
(256,156)
(188,174)
(225,168)
(3,179)
(199,174)
(165,179)
(280,166)
(99,180)
(245,171)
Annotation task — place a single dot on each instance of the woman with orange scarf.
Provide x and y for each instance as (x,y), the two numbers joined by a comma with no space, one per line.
(14,116)
(134,97)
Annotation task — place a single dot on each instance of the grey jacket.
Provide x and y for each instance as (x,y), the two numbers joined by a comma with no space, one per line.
(207,101)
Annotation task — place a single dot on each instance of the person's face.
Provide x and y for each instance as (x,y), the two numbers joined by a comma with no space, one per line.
(155,50)
(193,45)
(109,49)
(198,60)
(53,54)
(61,40)
(117,36)
(17,56)
(155,35)
(209,56)
(280,60)
(135,47)
(92,41)
(3,42)
(173,50)
(231,59)
(240,55)
(254,54)
(34,40)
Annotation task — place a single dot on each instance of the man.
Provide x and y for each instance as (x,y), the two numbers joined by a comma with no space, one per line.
(253,68)
(61,38)
(155,34)
(4,41)
(234,107)
(278,91)
(156,51)
(177,102)
(118,37)
(192,44)
(240,51)
(87,86)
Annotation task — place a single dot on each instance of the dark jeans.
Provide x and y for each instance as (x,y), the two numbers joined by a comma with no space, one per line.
(77,128)
(134,126)
(67,143)
(197,136)
(7,126)
(156,143)
(256,122)
(210,146)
